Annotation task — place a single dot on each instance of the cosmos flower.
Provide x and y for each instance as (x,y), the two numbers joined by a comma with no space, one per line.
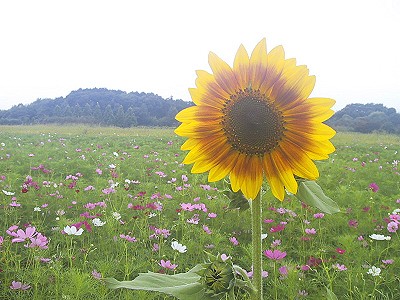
(275,254)
(256,120)
(72,230)
(178,247)
(374,271)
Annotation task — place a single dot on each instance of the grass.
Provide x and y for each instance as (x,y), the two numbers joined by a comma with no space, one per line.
(134,182)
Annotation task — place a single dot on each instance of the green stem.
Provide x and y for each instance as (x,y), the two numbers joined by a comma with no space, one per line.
(256,242)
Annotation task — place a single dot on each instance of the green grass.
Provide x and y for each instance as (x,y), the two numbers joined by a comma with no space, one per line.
(143,156)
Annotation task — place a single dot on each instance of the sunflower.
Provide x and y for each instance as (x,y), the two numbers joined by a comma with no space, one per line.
(254,120)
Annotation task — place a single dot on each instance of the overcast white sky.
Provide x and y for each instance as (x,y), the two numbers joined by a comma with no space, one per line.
(50,48)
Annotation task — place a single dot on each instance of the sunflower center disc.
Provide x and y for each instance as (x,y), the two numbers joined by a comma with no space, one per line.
(252,124)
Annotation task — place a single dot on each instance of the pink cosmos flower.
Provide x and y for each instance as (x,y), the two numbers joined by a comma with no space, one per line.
(340,250)
(17,285)
(277,228)
(128,238)
(224,257)
(283,271)
(167,264)
(388,261)
(373,187)
(310,231)
(319,215)
(264,274)
(353,223)
(275,254)
(24,235)
(212,215)
(206,229)
(40,241)
(96,275)
(234,241)
(340,267)
(392,226)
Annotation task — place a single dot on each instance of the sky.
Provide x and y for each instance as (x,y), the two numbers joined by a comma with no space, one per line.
(49,48)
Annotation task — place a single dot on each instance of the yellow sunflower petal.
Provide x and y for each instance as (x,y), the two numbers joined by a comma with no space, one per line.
(301,164)
(272,175)
(236,175)
(285,171)
(258,65)
(206,149)
(275,64)
(222,169)
(223,74)
(253,177)
(198,129)
(198,113)
(241,67)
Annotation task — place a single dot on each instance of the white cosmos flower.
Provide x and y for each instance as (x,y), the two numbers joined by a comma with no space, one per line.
(72,230)
(97,222)
(178,247)
(116,215)
(8,193)
(374,271)
(380,237)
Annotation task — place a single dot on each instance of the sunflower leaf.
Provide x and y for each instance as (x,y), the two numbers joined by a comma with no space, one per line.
(183,286)
(312,194)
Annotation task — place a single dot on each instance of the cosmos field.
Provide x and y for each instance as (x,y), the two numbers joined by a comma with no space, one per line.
(78,204)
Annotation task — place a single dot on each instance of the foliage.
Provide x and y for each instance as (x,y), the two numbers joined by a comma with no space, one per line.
(366,118)
(98,107)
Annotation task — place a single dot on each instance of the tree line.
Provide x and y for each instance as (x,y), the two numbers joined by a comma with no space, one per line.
(98,106)
(366,118)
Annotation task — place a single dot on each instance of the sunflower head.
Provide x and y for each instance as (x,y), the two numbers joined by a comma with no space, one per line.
(256,120)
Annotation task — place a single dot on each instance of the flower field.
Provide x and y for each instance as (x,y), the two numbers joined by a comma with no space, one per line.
(78,204)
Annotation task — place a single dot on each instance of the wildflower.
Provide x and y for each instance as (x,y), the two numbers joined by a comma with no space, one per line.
(340,250)
(7,193)
(319,215)
(167,264)
(97,222)
(374,271)
(212,215)
(392,226)
(234,241)
(310,231)
(21,235)
(116,215)
(39,241)
(275,243)
(339,267)
(380,237)
(373,187)
(178,247)
(37,209)
(283,271)
(353,223)
(96,275)
(128,238)
(17,285)
(224,257)
(277,228)
(72,230)
(206,229)
(387,261)
(255,119)
(275,254)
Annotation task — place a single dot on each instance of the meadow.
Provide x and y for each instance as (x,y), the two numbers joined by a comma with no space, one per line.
(81,203)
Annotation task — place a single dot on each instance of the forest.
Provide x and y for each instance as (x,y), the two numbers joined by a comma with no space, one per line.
(104,107)
(98,106)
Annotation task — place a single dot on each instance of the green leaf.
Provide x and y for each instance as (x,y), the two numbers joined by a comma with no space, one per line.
(330,295)
(312,194)
(184,286)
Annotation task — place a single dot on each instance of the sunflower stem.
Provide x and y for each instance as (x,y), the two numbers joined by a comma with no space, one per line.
(256,243)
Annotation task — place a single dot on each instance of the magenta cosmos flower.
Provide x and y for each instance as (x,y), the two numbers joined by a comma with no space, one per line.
(275,254)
